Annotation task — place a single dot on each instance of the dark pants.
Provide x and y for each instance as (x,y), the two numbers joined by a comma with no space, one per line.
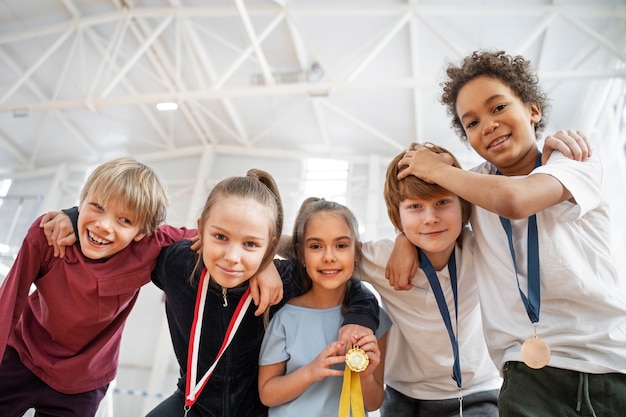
(551,391)
(480,404)
(21,390)
(173,407)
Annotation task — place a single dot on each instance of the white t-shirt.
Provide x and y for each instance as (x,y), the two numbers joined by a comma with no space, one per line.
(419,355)
(583,307)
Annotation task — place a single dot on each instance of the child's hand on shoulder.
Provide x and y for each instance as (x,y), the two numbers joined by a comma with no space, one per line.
(59,232)
(571,143)
(266,288)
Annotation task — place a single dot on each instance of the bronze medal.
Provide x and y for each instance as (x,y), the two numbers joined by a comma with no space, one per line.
(535,353)
(357,359)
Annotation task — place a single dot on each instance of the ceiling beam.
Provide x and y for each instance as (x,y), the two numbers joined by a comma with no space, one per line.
(378,46)
(254,41)
(601,40)
(37,64)
(35,89)
(133,60)
(284,89)
(358,122)
(591,11)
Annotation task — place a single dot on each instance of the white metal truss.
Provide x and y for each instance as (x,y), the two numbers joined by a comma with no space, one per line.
(170,54)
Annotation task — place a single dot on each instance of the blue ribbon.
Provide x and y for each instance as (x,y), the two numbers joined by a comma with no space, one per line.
(532,302)
(431,274)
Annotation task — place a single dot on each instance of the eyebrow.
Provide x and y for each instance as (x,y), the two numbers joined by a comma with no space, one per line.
(336,239)
(227,232)
(489,100)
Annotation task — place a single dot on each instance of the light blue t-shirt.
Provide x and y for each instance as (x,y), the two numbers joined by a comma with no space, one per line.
(297,335)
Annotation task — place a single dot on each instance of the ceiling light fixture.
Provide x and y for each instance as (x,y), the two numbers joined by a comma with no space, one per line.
(166,106)
(313,75)
(20,112)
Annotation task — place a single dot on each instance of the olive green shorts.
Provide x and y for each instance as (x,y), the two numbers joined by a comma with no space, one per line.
(558,392)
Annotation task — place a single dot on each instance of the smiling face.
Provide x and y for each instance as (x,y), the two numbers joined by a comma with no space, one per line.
(235,238)
(105,229)
(498,125)
(329,249)
(433,225)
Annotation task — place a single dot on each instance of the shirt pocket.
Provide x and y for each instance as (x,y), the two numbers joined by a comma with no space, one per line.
(116,293)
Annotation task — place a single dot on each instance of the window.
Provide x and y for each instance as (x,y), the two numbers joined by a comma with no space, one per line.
(4,188)
(326,178)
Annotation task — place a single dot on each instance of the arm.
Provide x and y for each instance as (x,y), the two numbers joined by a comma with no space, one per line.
(363,308)
(61,230)
(266,288)
(276,387)
(508,197)
(16,286)
(402,264)
(361,317)
(514,198)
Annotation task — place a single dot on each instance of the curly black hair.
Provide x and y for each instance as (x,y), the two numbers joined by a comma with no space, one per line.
(514,71)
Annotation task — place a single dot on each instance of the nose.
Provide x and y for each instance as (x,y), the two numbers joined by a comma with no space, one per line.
(490,125)
(104,223)
(431,216)
(329,255)
(231,254)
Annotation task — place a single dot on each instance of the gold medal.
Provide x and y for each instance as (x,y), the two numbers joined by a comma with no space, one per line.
(535,353)
(356,359)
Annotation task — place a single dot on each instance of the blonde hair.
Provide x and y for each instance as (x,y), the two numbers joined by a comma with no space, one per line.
(133,185)
(411,186)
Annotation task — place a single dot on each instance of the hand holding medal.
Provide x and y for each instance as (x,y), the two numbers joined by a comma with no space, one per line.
(357,361)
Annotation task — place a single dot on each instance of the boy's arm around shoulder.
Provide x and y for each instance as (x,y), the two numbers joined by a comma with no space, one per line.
(510,197)
(560,179)
(388,263)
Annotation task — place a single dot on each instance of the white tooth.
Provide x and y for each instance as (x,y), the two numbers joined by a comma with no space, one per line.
(96,240)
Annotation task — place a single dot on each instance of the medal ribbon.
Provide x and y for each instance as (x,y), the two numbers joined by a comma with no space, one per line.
(351,395)
(431,274)
(193,387)
(532,303)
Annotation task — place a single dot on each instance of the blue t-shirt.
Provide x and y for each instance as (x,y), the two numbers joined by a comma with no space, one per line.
(297,335)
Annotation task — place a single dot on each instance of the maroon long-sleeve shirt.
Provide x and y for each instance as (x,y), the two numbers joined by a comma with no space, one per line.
(68,330)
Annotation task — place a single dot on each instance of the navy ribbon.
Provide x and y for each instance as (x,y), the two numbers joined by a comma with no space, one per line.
(431,274)
(532,302)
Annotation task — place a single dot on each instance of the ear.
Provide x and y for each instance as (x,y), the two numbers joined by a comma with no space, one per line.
(139,236)
(535,113)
